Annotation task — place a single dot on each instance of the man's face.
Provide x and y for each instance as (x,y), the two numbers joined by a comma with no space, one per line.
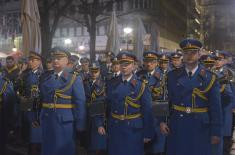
(164,65)
(176,62)
(115,68)
(59,63)
(34,63)
(127,68)
(219,63)
(95,74)
(85,66)
(150,65)
(191,57)
(71,65)
(108,59)
(49,65)
(10,63)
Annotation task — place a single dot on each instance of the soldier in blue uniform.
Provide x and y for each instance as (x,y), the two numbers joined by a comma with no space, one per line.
(195,120)
(11,72)
(164,65)
(208,61)
(7,95)
(85,63)
(73,63)
(30,83)
(49,68)
(152,74)
(106,67)
(49,65)
(227,100)
(130,120)
(63,110)
(115,70)
(95,94)
(176,60)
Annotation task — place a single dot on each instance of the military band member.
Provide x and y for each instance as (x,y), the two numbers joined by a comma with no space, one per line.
(11,70)
(7,95)
(21,86)
(85,63)
(164,63)
(49,68)
(30,83)
(227,99)
(49,65)
(106,65)
(96,96)
(152,74)
(73,62)
(176,59)
(208,61)
(115,70)
(130,121)
(63,106)
(196,119)
(22,65)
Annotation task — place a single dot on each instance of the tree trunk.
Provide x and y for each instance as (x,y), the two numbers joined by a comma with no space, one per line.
(92,34)
(46,34)
(46,43)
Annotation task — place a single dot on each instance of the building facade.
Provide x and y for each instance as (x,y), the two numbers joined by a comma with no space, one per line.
(169,20)
(218,24)
(10,30)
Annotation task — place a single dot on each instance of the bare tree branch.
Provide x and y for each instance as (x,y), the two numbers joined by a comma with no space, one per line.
(52,4)
(119,15)
(74,19)
(58,15)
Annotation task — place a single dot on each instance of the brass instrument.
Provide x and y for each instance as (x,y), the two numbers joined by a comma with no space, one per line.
(227,78)
(163,85)
(161,106)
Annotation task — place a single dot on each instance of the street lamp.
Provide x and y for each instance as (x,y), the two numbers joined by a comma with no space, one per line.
(14,49)
(127,31)
(67,42)
(81,47)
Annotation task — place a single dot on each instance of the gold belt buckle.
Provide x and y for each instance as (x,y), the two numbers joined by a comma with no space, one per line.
(122,117)
(188,110)
(51,106)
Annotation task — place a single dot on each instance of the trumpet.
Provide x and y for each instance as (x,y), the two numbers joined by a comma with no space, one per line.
(227,78)
(163,86)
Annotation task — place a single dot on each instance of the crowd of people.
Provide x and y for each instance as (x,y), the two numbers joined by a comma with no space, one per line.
(177,103)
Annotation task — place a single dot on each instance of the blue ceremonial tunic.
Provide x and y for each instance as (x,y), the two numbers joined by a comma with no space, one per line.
(7,95)
(227,99)
(95,92)
(157,144)
(126,136)
(190,132)
(59,125)
(31,79)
